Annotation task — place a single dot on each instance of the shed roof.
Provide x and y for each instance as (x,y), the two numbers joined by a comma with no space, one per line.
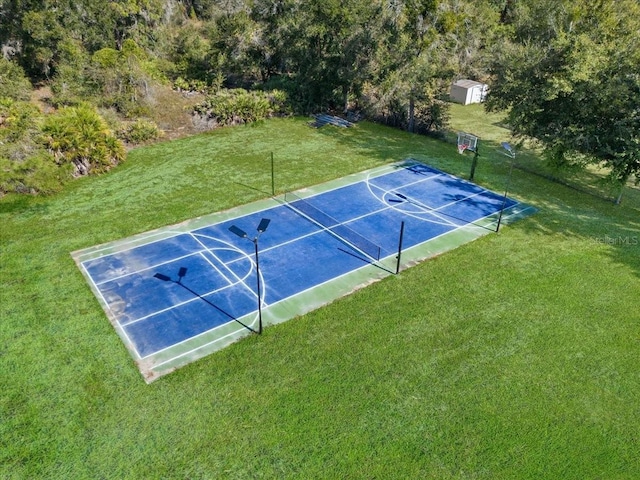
(468,83)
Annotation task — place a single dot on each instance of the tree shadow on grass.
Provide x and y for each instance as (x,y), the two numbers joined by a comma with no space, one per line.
(18,202)
(610,230)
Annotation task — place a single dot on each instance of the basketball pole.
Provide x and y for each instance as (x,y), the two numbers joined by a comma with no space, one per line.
(474,162)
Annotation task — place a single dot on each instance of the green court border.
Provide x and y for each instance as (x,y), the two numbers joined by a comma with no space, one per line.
(167,360)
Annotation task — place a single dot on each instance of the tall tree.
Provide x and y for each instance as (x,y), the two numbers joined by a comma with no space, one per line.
(569,76)
(417,61)
(327,48)
(13,82)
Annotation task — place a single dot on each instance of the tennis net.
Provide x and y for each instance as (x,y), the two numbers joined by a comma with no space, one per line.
(333,226)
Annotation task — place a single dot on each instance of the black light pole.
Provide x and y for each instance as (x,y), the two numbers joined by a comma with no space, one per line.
(262,227)
(511,153)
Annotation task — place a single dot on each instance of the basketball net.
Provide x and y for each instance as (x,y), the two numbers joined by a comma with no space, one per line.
(461,148)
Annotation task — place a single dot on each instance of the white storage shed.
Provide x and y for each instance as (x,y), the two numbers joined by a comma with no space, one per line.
(468,91)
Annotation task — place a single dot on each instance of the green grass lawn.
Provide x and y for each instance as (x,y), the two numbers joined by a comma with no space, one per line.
(513,357)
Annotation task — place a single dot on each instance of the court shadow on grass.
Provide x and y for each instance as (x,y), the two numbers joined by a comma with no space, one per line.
(255,189)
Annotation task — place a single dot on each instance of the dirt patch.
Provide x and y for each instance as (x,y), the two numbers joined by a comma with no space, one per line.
(171,111)
(41,97)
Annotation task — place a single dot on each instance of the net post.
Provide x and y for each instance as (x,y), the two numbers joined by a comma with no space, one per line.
(400,247)
(273,184)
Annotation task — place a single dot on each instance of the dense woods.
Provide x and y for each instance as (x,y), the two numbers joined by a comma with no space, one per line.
(566,72)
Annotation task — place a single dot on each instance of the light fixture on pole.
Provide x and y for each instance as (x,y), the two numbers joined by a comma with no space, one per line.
(262,227)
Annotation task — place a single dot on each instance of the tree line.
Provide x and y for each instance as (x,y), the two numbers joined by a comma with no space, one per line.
(566,72)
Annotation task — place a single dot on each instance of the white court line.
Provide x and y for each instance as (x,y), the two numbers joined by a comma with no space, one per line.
(446,221)
(140,239)
(193,235)
(430,210)
(205,248)
(176,305)
(113,315)
(246,256)
(296,294)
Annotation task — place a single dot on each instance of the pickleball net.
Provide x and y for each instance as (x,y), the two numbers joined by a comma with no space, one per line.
(339,230)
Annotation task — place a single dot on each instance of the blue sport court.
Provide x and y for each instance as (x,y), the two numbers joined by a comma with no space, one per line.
(185,291)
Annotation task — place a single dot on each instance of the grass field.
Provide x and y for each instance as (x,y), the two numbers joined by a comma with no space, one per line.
(513,357)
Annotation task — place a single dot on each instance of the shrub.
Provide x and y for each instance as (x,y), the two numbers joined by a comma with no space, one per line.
(25,165)
(13,82)
(191,85)
(139,131)
(125,78)
(80,136)
(18,121)
(238,106)
(38,173)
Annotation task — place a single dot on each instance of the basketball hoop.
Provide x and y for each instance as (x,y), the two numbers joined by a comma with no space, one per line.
(461,148)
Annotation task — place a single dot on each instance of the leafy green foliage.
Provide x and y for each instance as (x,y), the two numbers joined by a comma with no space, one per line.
(190,53)
(568,76)
(192,85)
(70,84)
(134,20)
(566,71)
(430,114)
(124,78)
(13,82)
(25,165)
(78,136)
(18,120)
(239,106)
